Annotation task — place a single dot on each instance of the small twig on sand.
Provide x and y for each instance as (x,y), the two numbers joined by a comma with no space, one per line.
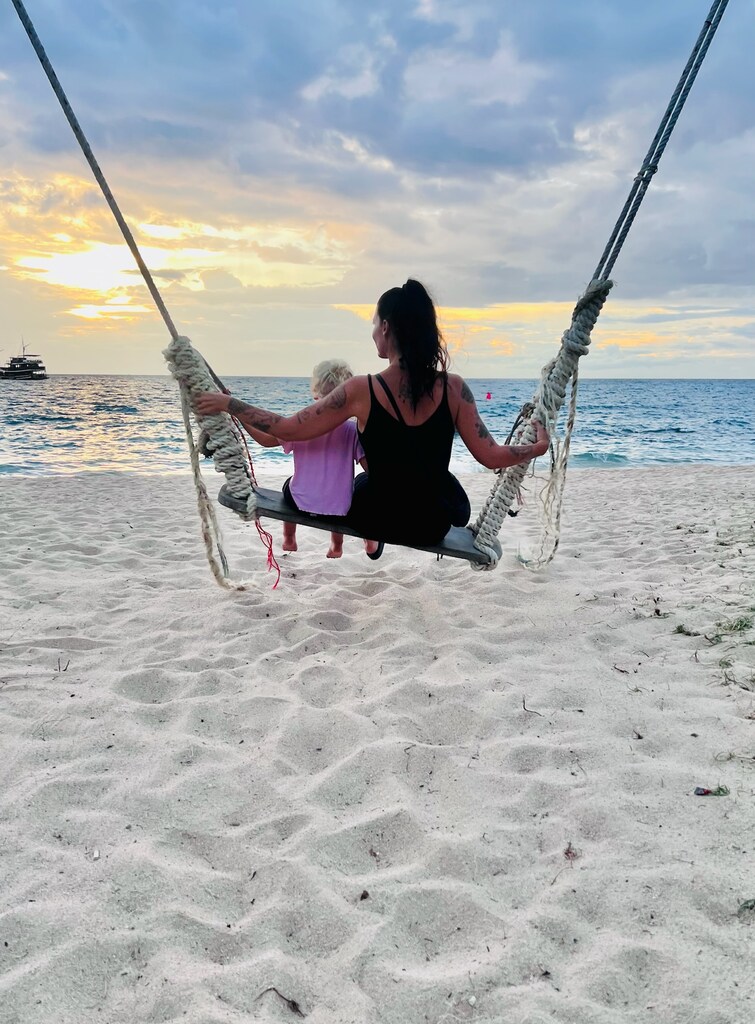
(529,710)
(733,755)
(290,1003)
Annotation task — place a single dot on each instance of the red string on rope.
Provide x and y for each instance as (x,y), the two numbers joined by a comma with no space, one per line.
(265,537)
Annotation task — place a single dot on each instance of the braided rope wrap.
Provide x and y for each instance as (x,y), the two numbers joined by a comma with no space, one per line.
(192,375)
(547,403)
(190,371)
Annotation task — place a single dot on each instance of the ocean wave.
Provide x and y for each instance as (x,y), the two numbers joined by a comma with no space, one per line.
(107,407)
(659,430)
(39,417)
(600,459)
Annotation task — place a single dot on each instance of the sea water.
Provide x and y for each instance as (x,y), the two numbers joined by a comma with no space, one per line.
(70,424)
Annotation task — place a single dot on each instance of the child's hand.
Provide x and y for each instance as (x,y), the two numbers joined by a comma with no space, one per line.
(209,403)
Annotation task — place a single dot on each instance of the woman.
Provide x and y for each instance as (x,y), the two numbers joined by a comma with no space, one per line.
(406,418)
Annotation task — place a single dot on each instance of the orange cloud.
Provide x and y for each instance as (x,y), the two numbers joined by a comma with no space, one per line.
(57,234)
(503,346)
(462,325)
(633,339)
(363,311)
(114,309)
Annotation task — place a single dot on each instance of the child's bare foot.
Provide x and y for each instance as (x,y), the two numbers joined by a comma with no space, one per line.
(336,545)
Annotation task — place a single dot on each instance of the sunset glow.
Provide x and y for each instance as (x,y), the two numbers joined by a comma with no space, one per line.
(275,197)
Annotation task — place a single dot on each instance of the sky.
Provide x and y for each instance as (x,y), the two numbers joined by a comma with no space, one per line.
(281,163)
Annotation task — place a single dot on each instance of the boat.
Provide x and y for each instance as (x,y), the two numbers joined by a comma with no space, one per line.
(24,367)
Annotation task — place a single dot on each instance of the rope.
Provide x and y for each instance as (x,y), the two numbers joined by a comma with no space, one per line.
(546,404)
(562,371)
(223,443)
(91,160)
(658,145)
(189,368)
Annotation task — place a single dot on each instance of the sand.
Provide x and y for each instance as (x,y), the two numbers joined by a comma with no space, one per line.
(395,791)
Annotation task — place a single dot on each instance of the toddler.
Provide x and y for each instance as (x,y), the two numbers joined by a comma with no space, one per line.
(323,479)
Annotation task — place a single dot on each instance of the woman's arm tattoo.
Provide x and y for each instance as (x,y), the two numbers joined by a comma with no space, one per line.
(335,400)
(466,393)
(482,431)
(258,418)
(524,452)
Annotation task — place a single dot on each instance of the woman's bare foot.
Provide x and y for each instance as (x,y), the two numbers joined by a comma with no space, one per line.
(371,546)
(289,537)
(336,545)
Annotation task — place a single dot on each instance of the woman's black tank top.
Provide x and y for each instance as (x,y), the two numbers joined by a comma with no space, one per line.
(402,455)
(405,496)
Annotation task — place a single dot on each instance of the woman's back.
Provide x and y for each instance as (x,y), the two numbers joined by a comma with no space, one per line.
(397,382)
(410,446)
(409,495)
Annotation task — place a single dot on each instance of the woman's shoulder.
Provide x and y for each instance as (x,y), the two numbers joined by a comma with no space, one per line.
(457,385)
(349,389)
(459,393)
(357,396)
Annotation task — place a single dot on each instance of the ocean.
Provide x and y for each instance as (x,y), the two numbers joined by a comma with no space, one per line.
(71,424)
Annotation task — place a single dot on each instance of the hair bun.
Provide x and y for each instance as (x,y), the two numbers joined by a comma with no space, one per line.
(410,312)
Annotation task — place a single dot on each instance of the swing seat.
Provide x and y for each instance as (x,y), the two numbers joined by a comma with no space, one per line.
(458,542)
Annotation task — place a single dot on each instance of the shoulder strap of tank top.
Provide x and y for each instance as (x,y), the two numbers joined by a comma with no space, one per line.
(391,399)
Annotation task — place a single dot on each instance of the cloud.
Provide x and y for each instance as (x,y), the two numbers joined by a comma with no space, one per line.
(353,76)
(443,76)
(323,151)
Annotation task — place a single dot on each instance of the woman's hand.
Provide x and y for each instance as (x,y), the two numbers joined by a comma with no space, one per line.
(542,440)
(209,403)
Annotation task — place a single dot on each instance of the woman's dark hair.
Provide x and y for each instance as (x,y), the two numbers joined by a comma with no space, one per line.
(410,313)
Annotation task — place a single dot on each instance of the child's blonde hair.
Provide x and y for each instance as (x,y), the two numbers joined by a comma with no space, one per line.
(328,374)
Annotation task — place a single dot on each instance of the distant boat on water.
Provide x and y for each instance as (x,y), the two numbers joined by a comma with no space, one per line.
(24,367)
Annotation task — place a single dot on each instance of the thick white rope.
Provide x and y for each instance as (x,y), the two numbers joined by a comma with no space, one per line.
(551,496)
(191,373)
(185,364)
(547,403)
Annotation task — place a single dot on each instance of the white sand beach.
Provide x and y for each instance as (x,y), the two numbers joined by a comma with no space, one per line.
(388,792)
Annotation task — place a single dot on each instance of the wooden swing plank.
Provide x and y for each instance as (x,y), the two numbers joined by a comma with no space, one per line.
(458,542)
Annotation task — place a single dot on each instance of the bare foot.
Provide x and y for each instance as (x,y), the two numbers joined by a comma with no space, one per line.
(370,546)
(289,544)
(336,545)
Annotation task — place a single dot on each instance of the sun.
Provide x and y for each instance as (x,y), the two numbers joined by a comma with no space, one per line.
(97,267)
